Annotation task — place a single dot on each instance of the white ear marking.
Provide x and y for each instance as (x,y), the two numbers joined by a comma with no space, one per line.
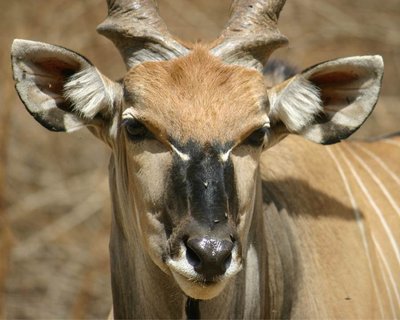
(89,92)
(297,104)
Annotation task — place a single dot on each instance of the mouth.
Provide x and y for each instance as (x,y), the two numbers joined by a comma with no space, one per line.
(196,285)
(200,290)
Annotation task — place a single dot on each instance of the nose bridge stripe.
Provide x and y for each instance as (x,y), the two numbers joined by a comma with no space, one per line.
(202,183)
(208,188)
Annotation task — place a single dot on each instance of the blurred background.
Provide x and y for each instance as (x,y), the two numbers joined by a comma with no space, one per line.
(54,202)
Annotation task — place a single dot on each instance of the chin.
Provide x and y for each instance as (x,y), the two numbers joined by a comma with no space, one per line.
(197,289)
(194,285)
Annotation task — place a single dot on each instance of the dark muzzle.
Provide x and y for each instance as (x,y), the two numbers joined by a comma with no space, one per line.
(210,257)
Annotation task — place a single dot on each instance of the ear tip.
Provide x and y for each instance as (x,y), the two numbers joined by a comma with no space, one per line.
(378,60)
(17,44)
(17,49)
(21,47)
(374,63)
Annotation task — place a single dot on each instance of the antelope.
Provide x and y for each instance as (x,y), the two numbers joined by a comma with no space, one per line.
(230,196)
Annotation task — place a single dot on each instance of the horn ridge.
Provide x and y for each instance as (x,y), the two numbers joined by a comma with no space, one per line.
(139,33)
(251,33)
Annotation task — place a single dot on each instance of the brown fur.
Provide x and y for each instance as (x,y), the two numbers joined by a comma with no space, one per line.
(300,207)
(335,274)
(187,97)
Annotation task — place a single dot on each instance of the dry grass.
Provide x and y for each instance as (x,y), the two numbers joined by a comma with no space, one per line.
(53,189)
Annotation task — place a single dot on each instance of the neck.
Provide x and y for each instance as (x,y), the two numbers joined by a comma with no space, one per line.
(261,290)
(277,248)
(271,291)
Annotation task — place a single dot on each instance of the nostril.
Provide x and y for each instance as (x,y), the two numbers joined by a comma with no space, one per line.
(192,257)
(209,256)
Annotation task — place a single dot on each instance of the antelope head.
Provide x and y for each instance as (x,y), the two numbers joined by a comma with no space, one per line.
(187,126)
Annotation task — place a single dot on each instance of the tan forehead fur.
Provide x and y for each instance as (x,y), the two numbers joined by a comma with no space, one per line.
(197,97)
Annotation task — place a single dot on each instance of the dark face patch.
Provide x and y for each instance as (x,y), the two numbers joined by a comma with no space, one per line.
(202,189)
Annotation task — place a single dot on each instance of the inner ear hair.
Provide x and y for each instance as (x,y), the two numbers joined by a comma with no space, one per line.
(296,102)
(328,102)
(90,93)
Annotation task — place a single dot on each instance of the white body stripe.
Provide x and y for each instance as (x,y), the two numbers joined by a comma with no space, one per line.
(381,163)
(376,180)
(388,270)
(372,202)
(388,290)
(392,142)
(360,225)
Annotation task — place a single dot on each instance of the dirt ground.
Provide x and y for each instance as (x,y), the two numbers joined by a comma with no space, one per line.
(54,203)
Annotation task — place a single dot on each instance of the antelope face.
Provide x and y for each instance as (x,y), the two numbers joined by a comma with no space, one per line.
(193,130)
(187,127)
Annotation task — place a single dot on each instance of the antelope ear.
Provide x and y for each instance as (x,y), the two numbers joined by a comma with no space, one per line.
(62,90)
(327,102)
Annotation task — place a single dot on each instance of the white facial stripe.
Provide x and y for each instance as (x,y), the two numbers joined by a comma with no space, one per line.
(182,155)
(267,122)
(130,113)
(225,156)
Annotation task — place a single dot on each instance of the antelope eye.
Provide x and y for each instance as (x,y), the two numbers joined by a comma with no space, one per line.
(136,130)
(256,138)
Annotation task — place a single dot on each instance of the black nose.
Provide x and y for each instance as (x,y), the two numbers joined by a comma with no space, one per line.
(210,257)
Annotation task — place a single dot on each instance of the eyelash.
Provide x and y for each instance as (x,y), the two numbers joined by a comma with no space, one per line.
(136,130)
(256,138)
